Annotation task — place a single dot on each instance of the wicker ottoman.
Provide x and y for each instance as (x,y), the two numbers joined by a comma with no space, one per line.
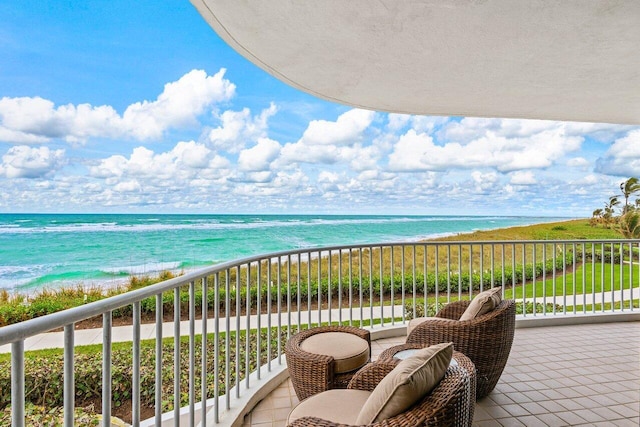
(326,357)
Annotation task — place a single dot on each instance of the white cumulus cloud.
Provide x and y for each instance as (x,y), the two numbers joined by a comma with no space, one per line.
(178,105)
(187,160)
(37,120)
(237,128)
(523,178)
(259,157)
(346,130)
(418,151)
(623,157)
(23,161)
(329,142)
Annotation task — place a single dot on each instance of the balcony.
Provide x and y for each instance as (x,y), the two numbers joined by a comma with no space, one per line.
(562,366)
(555,377)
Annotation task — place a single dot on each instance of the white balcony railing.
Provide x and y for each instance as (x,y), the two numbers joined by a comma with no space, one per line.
(240,313)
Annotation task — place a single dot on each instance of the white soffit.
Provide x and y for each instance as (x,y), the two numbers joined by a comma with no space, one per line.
(574,60)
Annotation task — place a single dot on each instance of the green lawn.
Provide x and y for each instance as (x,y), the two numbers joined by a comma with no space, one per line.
(604,280)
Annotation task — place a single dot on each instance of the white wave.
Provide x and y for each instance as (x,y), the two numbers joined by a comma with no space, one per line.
(146,268)
(213,224)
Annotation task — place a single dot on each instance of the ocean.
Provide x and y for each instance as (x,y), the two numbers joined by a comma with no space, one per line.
(53,250)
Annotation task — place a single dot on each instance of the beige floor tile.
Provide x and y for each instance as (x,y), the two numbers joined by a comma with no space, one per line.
(565,380)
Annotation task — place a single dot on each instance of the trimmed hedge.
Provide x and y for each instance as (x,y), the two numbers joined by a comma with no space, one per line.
(39,416)
(44,371)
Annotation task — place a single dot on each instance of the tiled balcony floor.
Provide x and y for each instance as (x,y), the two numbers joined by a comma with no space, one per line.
(583,375)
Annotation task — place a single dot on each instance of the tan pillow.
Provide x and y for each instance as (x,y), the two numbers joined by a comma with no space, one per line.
(407,383)
(483,303)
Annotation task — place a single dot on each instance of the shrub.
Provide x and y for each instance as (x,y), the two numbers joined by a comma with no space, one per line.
(39,416)
(44,371)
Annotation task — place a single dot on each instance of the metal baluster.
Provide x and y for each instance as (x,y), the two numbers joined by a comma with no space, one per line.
(524,279)
(470,271)
(176,356)
(370,286)
(403,282)
(381,290)
(269,284)
(448,274)
(135,383)
(437,281)
(613,305)
(238,311)
(392,282)
(425,289)
(69,377)
(106,369)
(481,267)
(247,335)
(203,373)
(158,373)
(340,286)
(602,247)
(613,287)
(593,277)
(192,353)
(17,384)
(575,279)
(533,279)
(554,276)
(544,280)
(415,284)
(309,289)
(319,286)
(279,303)
(227,337)
(584,279)
(216,346)
(259,319)
(459,272)
(289,296)
(299,299)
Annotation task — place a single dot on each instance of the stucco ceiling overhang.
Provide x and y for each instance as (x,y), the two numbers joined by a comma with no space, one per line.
(538,59)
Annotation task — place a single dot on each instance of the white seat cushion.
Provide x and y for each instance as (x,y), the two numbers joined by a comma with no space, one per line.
(339,405)
(418,320)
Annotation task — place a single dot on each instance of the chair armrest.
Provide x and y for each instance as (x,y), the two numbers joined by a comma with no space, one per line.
(313,422)
(368,377)
(453,310)
(435,330)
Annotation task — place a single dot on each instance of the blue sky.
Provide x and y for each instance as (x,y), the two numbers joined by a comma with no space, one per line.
(140,107)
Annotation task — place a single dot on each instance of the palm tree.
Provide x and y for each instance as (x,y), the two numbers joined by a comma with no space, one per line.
(629,187)
(630,225)
(597,216)
(609,209)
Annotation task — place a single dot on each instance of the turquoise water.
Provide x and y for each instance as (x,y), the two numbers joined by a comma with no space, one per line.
(52,250)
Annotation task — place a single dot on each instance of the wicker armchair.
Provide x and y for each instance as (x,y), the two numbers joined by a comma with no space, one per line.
(486,340)
(313,373)
(450,404)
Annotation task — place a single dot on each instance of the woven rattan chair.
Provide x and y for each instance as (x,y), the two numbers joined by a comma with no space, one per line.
(486,340)
(450,404)
(313,373)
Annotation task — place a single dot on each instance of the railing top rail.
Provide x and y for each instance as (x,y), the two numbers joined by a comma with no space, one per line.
(22,330)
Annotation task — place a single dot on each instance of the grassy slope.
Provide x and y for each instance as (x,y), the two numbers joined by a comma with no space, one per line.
(564,230)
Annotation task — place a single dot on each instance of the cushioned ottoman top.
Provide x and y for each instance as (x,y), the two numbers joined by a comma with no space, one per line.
(349,351)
